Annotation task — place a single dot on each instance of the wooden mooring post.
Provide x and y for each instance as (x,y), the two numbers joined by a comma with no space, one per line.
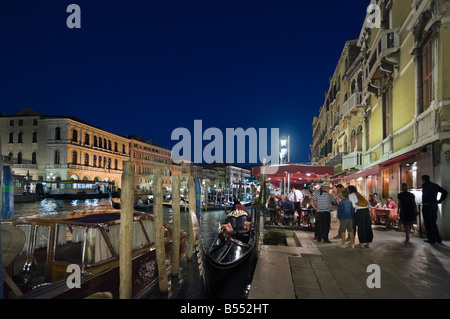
(159,232)
(126,231)
(192,208)
(176,225)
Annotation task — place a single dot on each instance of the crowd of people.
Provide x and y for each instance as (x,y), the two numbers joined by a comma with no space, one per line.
(315,207)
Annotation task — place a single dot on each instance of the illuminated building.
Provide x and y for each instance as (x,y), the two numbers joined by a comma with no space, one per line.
(399,128)
(50,148)
(148,159)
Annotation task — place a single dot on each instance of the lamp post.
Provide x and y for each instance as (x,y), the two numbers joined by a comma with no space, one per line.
(284,150)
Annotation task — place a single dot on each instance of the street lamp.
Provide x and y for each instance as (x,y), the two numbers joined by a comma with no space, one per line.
(284,150)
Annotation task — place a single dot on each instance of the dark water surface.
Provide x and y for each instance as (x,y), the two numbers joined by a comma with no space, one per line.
(188,284)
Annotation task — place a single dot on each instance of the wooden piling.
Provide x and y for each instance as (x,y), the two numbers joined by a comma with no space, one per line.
(126,231)
(192,208)
(176,225)
(159,232)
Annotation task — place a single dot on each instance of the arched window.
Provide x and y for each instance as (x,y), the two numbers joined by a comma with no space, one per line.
(19,158)
(109,145)
(94,163)
(57,157)
(100,141)
(109,163)
(86,159)
(11,137)
(57,133)
(95,141)
(35,137)
(353,141)
(74,157)
(86,139)
(20,137)
(116,164)
(34,158)
(105,145)
(359,136)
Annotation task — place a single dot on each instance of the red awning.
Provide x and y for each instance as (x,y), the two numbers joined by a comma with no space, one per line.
(298,173)
(368,172)
(400,158)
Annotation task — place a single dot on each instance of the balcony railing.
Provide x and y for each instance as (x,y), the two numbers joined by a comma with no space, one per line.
(352,103)
(386,43)
(24,166)
(353,160)
(334,161)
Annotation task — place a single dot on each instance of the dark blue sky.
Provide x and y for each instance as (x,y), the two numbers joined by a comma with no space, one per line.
(147,67)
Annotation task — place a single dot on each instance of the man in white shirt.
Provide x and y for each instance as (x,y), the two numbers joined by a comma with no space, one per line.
(296,197)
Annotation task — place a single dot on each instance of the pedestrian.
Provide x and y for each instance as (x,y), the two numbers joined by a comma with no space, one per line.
(322,201)
(362,219)
(407,210)
(345,213)
(337,193)
(296,196)
(430,207)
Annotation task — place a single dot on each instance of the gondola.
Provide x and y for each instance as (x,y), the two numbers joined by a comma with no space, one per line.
(232,247)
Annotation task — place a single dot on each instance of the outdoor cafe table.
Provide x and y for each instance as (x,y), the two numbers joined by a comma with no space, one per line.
(389,215)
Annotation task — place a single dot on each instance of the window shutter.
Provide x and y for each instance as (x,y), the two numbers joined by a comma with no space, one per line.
(427,74)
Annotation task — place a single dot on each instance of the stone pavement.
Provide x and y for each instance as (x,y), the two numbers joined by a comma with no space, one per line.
(305,269)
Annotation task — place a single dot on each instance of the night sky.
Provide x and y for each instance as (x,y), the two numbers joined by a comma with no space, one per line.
(147,67)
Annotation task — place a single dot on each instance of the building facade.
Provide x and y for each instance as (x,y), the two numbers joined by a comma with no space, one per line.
(48,148)
(398,124)
(149,159)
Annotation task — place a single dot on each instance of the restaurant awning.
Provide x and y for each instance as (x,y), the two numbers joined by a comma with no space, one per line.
(401,158)
(298,173)
(367,172)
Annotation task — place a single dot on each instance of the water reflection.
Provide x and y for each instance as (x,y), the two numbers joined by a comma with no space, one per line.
(188,284)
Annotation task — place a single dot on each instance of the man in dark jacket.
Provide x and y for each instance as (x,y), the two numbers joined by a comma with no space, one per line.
(430,206)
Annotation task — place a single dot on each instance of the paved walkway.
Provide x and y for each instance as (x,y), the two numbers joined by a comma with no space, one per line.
(306,269)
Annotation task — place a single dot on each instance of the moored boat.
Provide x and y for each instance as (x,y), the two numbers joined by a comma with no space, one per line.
(90,241)
(235,243)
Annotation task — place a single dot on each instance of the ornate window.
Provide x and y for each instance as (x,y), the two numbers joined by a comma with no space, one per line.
(57,133)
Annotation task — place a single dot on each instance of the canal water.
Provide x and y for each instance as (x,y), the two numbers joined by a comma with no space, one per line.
(188,284)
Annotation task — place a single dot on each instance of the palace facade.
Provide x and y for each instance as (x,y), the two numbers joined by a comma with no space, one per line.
(47,148)
(386,117)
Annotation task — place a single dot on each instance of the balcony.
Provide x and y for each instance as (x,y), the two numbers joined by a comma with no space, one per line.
(351,105)
(386,43)
(24,166)
(353,160)
(335,161)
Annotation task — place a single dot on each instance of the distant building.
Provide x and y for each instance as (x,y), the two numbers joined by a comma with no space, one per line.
(149,159)
(51,148)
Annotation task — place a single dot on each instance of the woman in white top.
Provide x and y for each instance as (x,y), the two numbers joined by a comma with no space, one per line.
(361,218)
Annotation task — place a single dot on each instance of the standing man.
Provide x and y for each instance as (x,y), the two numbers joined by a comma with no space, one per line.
(296,197)
(322,201)
(430,207)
